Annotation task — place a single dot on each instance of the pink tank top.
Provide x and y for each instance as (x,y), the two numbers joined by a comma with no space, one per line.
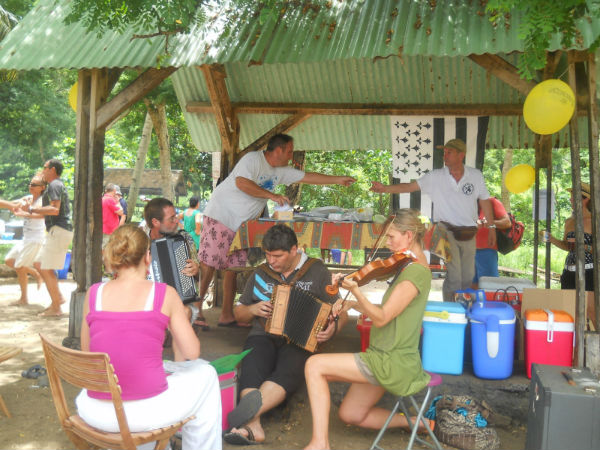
(134,342)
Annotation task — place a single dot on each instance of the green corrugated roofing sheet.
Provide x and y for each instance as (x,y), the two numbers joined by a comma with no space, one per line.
(371,51)
(347,29)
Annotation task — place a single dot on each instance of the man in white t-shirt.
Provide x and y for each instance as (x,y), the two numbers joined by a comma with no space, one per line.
(455,191)
(240,197)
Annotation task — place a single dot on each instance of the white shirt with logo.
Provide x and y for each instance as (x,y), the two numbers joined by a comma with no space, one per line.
(231,206)
(454,202)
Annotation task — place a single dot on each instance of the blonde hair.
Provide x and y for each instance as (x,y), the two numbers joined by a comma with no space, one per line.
(408,219)
(126,247)
(38,178)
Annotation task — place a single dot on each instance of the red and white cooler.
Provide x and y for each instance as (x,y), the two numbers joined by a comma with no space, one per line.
(549,338)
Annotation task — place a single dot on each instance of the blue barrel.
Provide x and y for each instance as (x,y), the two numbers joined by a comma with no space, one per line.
(492,339)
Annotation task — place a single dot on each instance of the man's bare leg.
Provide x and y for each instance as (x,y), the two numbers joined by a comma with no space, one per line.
(206,276)
(272,395)
(229,289)
(55,296)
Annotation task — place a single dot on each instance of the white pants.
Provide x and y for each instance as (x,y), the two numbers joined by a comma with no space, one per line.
(193,390)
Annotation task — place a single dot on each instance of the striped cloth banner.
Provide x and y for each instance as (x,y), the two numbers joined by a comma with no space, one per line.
(414,141)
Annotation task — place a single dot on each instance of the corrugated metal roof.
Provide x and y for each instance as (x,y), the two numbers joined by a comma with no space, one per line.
(373,51)
(346,30)
(410,80)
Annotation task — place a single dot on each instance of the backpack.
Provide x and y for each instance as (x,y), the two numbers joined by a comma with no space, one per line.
(510,238)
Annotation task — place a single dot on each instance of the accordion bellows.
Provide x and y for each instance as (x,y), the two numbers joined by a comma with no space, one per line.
(297,315)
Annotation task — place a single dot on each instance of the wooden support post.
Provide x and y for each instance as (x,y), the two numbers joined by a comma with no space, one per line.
(282,127)
(227,121)
(594,177)
(536,210)
(580,319)
(82,141)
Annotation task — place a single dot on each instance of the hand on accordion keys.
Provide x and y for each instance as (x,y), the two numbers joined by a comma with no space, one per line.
(328,332)
(191,268)
(262,309)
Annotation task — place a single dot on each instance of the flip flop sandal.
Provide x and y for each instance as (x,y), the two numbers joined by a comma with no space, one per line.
(240,439)
(246,409)
(33,372)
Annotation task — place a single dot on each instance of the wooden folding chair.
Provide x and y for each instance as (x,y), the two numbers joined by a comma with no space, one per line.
(7,352)
(94,371)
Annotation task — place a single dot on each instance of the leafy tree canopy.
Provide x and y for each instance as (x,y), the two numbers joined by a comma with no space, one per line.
(541,21)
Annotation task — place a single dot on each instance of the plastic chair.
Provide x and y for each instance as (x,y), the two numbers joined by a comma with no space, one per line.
(93,371)
(7,352)
(436,380)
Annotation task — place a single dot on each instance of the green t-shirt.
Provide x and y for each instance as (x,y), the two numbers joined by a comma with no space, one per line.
(393,353)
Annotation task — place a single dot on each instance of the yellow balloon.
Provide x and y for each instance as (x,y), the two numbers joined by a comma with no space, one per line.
(519,178)
(549,107)
(73,97)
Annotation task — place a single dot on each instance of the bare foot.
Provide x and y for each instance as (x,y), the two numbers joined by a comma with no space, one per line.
(51,312)
(316,446)
(20,302)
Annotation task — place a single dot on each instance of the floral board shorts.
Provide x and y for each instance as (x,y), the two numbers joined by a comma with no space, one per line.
(215,240)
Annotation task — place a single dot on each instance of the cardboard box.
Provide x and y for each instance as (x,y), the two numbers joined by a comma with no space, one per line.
(551,299)
(283,215)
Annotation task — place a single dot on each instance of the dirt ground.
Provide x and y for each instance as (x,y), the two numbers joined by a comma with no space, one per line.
(34,424)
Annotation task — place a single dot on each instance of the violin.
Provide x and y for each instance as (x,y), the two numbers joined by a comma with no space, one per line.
(379,269)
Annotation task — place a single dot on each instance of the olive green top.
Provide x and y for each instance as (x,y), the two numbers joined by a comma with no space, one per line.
(393,353)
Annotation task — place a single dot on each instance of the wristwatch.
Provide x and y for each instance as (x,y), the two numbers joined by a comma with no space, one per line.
(30,209)
(492,225)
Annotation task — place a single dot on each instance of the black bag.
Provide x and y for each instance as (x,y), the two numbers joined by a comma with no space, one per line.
(510,238)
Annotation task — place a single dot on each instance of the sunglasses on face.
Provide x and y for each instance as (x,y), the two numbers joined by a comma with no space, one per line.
(35,185)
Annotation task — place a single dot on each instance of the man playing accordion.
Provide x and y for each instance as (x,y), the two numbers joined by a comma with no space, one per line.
(275,367)
(161,220)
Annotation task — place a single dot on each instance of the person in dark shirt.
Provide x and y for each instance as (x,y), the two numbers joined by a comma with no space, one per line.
(59,226)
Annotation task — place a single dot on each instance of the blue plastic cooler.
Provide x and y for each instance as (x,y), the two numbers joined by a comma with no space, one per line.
(444,326)
(492,339)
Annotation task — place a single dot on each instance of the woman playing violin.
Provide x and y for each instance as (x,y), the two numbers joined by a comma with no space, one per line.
(392,361)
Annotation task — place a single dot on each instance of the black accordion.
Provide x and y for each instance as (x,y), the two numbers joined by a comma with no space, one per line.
(297,315)
(169,256)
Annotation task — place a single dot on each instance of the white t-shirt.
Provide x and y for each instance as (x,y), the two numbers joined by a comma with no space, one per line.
(454,202)
(230,206)
(34,229)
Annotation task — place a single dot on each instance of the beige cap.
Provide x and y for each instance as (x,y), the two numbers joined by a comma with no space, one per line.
(456,144)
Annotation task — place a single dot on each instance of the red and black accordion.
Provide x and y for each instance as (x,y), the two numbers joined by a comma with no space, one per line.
(297,315)
(169,256)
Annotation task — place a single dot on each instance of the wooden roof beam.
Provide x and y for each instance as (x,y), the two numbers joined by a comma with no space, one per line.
(282,127)
(133,93)
(357,109)
(504,71)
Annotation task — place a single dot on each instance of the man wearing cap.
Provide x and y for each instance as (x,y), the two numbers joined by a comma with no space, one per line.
(456,191)
(111,212)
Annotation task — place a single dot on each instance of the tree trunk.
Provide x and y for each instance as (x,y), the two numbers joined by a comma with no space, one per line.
(140,163)
(293,190)
(505,195)
(159,120)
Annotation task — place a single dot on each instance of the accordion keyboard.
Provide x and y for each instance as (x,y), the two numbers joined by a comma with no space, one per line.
(187,283)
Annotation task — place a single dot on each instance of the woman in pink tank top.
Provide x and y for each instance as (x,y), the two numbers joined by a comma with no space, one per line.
(127,318)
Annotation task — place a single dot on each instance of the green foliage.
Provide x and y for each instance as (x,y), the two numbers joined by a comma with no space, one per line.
(35,114)
(163,16)
(541,21)
(365,166)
